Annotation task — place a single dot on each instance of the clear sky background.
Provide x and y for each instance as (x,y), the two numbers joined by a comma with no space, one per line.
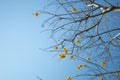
(20,40)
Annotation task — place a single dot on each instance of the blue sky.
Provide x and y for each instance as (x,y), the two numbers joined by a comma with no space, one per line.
(20,40)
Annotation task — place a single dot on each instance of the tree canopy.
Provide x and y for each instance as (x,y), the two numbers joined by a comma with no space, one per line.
(86,30)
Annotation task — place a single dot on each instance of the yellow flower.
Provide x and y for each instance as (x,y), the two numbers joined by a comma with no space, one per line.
(73,10)
(80,26)
(115,43)
(84,65)
(56,47)
(90,25)
(36,14)
(65,50)
(88,59)
(107,20)
(72,57)
(62,56)
(117,72)
(81,36)
(79,67)
(106,26)
(103,64)
(68,78)
(104,70)
(101,78)
(77,42)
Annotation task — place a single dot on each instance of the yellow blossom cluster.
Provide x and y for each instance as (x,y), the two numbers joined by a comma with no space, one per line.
(62,56)
(79,67)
